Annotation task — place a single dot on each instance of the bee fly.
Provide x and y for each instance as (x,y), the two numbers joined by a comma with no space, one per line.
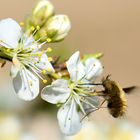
(114,94)
(115,97)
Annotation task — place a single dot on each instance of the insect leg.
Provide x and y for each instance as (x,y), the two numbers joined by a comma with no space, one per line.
(93,110)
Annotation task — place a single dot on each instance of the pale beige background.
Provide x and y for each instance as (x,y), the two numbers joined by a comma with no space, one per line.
(109,26)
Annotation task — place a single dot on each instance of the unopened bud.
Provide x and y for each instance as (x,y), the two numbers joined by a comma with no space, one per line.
(56,28)
(42,11)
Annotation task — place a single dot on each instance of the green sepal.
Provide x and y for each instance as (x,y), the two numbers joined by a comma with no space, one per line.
(87,56)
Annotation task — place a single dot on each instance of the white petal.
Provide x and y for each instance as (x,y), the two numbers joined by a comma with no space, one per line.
(14,71)
(16,66)
(30,43)
(26,85)
(75,67)
(93,68)
(69,119)
(58,92)
(44,64)
(10,33)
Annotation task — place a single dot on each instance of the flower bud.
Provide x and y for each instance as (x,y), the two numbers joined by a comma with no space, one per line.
(42,11)
(56,28)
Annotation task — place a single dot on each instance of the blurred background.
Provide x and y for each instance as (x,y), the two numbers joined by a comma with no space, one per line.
(111,27)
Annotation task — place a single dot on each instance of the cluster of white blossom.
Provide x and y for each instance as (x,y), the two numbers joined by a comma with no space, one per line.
(30,63)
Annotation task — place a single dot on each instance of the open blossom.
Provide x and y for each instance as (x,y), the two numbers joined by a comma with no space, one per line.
(73,94)
(28,61)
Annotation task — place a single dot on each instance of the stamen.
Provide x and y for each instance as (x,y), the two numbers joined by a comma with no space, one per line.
(34,33)
(44,72)
(49,49)
(32,66)
(49,70)
(49,40)
(36,73)
(40,39)
(32,28)
(50,59)
(38,27)
(22,24)
(45,81)
(40,45)
(33,69)
(35,30)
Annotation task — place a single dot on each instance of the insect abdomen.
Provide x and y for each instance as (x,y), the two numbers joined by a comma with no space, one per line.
(117,107)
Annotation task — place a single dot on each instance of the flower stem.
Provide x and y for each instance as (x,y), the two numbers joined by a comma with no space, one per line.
(55,76)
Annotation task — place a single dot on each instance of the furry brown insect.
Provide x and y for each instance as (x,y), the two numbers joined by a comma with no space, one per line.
(115,97)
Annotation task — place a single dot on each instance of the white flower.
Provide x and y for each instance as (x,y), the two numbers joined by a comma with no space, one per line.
(28,61)
(72,94)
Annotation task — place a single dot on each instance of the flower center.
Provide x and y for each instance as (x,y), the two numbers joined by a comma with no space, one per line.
(71,86)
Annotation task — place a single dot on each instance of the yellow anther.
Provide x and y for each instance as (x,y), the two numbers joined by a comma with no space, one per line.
(49,40)
(45,81)
(44,72)
(38,27)
(49,70)
(50,59)
(49,49)
(32,28)
(21,23)
(94,65)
